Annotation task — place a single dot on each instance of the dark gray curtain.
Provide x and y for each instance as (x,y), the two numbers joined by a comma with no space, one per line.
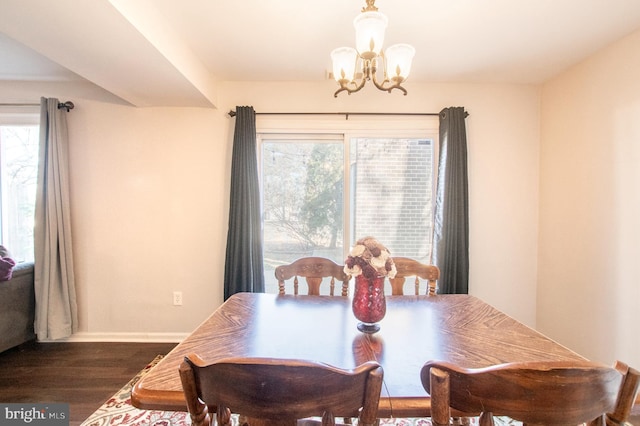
(56,309)
(243,271)
(451,225)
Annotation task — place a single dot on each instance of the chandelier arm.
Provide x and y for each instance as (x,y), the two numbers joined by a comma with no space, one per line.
(390,88)
(399,87)
(345,88)
(381,86)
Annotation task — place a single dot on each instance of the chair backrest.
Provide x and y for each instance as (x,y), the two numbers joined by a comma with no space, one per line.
(407,267)
(314,270)
(626,395)
(279,391)
(535,393)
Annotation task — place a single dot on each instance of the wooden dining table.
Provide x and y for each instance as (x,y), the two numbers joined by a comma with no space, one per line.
(457,328)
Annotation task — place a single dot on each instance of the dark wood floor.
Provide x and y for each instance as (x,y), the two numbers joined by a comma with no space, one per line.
(84,375)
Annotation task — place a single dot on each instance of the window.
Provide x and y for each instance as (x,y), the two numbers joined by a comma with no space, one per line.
(391,196)
(318,188)
(19,136)
(302,192)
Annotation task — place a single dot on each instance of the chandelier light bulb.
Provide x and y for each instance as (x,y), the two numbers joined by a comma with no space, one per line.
(370,28)
(398,61)
(344,63)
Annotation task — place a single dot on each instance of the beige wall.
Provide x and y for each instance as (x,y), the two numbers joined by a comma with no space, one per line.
(150,196)
(148,188)
(589,286)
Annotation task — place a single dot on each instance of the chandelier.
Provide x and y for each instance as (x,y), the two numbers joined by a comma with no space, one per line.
(395,60)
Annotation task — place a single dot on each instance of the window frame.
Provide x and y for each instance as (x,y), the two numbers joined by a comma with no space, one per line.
(353,126)
(18,116)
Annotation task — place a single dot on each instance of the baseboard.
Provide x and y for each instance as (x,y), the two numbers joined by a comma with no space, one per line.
(123,337)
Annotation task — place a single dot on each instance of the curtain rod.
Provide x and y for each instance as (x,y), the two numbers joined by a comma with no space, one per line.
(61,105)
(232,113)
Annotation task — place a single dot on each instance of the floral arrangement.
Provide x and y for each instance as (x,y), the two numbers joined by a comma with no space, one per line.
(371,259)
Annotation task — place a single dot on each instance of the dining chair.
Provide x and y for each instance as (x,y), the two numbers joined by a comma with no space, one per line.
(535,393)
(626,394)
(314,270)
(268,391)
(407,267)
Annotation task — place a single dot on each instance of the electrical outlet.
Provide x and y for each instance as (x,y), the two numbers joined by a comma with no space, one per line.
(177,298)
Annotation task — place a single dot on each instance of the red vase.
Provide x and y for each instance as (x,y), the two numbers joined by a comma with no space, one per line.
(369,304)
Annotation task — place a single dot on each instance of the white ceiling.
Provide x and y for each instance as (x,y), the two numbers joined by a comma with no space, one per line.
(170,52)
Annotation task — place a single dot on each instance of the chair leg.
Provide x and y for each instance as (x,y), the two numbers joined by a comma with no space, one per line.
(328,419)
(440,410)
(598,421)
(486,419)
(198,410)
(223,416)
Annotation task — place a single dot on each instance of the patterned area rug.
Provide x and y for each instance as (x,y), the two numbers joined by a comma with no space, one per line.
(118,411)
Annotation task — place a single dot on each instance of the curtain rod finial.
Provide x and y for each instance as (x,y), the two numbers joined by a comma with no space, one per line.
(66,105)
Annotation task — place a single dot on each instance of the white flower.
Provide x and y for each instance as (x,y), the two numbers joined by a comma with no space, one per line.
(354,272)
(357,250)
(380,261)
(392,273)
